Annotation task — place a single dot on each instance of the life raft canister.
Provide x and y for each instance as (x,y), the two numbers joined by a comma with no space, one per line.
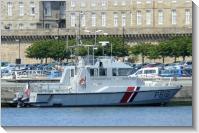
(82,81)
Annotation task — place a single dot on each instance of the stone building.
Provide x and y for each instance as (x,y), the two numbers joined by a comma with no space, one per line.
(136,20)
(109,15)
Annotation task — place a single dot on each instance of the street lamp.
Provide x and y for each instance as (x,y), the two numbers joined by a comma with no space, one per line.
(80,17)
(18,60)
(97,31)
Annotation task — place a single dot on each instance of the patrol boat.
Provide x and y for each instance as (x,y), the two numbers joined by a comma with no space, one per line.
(105,82)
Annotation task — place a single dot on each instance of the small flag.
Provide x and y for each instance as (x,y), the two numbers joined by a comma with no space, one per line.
(26,91)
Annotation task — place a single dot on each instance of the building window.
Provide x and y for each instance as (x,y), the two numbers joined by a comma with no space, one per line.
(9,4)
(21,9)
(47,8)
(139,18)
(148,1)
(103,19)
(72,20)
(115,17)
(131,19)
(123,20)
(103,2)
(32,26)
(83,20)
(139,2)
(148,17)
(47,26)
(160,1)
(62,9)
(83,4)
(115,2)
(173,15)
(123,2)
(21,26)
(93,3)
(173,1)
(93,20)
(72,3)
(160,17)
(9,26)
(32,8)
(187,16)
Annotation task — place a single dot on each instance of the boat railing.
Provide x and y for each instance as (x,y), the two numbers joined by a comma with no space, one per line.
(50,88)
(30,74)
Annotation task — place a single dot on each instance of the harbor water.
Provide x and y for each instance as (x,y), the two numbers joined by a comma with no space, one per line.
(98,116)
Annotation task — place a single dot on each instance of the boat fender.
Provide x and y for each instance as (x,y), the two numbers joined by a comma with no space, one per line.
(82,81)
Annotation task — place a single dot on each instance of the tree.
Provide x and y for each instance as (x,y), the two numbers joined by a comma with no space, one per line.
(153,52)
(164,49)
(44,49)
(38,50)
(181,46)
(140,49)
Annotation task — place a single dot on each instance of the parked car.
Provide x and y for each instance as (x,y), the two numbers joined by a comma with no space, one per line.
(147,73)
(21,67)
(139,65)
(186,64)
(172,66)
(175,73)
(159,65)
(3,64)
(54,74)
(9,67)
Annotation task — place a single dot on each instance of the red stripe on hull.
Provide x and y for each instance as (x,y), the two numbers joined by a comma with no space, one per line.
(127,94)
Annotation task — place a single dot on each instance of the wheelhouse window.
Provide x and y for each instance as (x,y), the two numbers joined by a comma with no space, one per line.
(102,72)
(72,73)
(124,71)
(114,72)
(93,72)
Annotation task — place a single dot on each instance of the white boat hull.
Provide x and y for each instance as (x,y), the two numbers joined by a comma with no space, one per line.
(137,97)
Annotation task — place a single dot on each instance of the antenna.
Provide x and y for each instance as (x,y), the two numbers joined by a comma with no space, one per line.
(104,43)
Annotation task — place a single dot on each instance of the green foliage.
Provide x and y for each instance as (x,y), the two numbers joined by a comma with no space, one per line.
(141,49)
(175,47)
(153,52)
(54,49)
(57,49)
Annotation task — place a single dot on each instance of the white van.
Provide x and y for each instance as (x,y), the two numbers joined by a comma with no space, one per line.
(152,72)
